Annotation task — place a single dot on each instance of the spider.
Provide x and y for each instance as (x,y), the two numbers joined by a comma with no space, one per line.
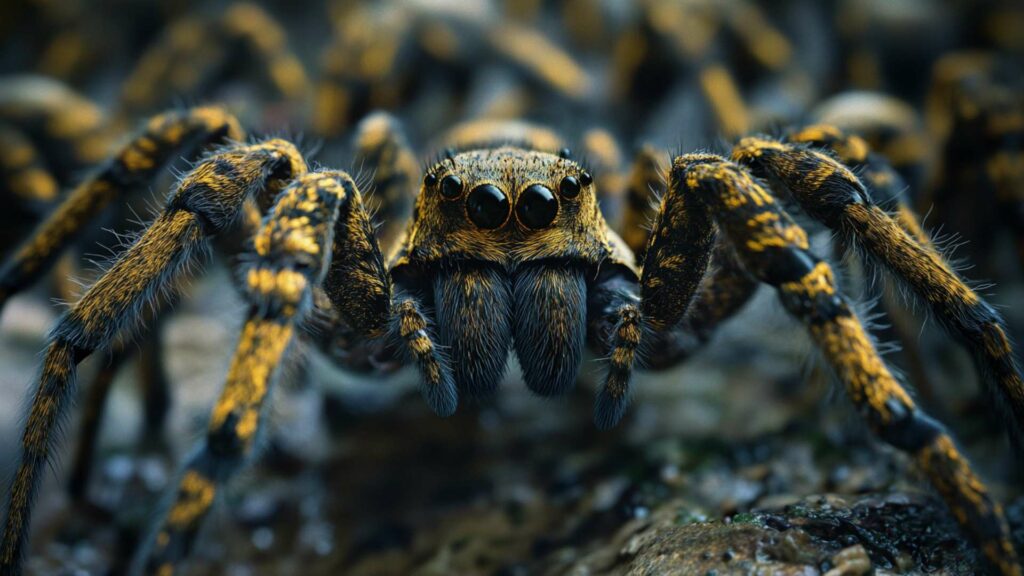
(507,251)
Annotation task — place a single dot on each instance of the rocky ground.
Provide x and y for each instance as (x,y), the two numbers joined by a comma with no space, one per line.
(740,462)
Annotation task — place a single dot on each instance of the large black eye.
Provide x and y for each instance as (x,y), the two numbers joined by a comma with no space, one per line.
(451,187)
(487,206)
(570,187)
(537,206)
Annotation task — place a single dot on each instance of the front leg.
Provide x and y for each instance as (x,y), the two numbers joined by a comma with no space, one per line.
(360,290)
(675,261)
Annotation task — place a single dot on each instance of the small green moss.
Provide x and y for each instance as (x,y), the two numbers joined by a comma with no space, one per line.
(744,518)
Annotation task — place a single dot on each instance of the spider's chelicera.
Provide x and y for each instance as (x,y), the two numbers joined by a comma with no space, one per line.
(507,251)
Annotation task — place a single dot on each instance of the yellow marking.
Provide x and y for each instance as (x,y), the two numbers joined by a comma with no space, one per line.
(816,177)
(751,147)
(725,99)
(35,184)
(259,352)
(537,54)
(816,282)
(848,348)
(921,267)
(288,285)
(195,495)
(997,344)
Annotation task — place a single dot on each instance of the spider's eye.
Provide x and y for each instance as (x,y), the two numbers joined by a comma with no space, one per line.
(430,179)
(586,179)
(570,187)
(451,186)
(487,206)
(537,206)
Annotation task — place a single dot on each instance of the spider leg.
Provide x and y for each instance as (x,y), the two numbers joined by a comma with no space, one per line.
(412,328)
(831,193)
(89,427)
(70,130)
(132,167)
(774,249)
(618,335)
(674,263)
(602,151)
(383,151)
(645,185)
(26,184)
(206,201)
(887,187)
(291,258)
(155,392)
(194,53)
(885,184)
(723,293)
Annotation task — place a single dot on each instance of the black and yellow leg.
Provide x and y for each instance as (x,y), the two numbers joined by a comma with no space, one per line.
(832,194)
(89,427)
(291,256)
(164,136)
(69,130)
(645,186)
(723,293)
(602,152)
(675,260)
(775,250)
(263,40)
(207,200)
(196,53)
(885,185)
(623,316)
(887,188)
(412,330)
(383,151)
(27,186)
(24,176)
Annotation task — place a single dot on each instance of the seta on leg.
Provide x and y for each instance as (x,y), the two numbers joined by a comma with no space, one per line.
(289,262)
(129,170)
(774,249)
(675,260)
(206,201)
(831,193)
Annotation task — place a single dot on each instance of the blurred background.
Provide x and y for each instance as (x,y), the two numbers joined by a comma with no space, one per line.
(745,459)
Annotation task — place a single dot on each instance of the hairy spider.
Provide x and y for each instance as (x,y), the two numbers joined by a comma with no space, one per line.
(507,250)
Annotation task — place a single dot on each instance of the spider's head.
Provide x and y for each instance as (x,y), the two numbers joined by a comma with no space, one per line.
(506,204)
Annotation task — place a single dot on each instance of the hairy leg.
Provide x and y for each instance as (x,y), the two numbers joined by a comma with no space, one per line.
(206,201)
(289,261)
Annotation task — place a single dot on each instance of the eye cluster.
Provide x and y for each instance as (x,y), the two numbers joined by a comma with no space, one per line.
(487,205)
